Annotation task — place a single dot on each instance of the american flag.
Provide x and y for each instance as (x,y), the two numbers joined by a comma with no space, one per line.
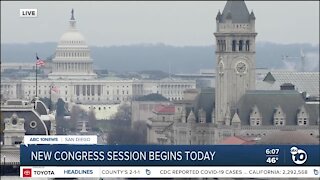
(39,62)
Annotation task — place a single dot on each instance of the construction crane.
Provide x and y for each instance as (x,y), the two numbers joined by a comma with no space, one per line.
(302,57)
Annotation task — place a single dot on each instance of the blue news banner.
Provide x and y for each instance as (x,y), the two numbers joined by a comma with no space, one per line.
(169,155)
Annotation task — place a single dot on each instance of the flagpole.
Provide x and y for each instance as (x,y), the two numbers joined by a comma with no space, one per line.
(50,98)
(36,77)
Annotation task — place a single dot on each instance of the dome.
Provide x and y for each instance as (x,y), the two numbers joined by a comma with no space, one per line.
(288,137)
(72,37)
(72,57)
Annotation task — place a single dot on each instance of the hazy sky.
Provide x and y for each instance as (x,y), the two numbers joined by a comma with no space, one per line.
(175,23)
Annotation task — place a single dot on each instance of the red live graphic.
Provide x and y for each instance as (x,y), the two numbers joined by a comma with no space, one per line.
(27,172)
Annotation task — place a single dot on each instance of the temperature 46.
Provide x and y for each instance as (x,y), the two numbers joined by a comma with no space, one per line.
(272,160)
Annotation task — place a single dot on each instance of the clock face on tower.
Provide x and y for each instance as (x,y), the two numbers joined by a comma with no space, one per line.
(241,67)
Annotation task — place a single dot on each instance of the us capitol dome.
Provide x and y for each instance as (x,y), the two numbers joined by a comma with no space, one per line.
(72,57)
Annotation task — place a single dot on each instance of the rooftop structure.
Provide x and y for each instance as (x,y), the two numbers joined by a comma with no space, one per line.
(303,81)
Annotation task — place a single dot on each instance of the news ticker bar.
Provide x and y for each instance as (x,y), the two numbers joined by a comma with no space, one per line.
(170,172)
(169,155)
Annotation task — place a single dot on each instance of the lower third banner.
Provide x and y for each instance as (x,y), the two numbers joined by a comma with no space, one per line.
(169,155)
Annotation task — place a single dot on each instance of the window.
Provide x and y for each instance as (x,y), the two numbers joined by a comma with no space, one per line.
(247,45)
(83,90)
(234,44)
(77,90)
(33,124)
(99,90)
(92,90)
(88,90)
(240,45)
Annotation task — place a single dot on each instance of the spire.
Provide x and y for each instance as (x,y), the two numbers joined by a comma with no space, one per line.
(191,117)
(237,11)
(235,118)
(252,16)
(218,16)
(72,14)
(72,20)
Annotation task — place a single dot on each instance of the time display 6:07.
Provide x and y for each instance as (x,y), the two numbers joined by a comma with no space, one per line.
(272,151)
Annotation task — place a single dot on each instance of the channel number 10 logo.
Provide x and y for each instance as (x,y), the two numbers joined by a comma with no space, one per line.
(298,156)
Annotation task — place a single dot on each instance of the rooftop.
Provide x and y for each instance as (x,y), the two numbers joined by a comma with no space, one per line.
(237,11)
(164,109)
(288,137)
(303,81)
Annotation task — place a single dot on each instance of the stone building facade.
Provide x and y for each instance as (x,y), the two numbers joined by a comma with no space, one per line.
(234,107)
(235,54)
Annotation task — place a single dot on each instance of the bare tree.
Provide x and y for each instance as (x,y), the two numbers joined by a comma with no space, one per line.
(123,113)
(76,111)
(92,121)
(137,134)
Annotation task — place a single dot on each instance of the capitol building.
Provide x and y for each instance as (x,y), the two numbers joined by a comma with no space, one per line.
(73,79)
(72,58)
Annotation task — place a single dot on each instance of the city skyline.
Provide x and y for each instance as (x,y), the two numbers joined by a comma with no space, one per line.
(182,24)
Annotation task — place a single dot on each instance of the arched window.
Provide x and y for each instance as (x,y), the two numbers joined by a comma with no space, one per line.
(240,45)
(247,45)
(234,45)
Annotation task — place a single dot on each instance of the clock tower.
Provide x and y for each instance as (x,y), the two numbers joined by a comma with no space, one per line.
(235,58)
